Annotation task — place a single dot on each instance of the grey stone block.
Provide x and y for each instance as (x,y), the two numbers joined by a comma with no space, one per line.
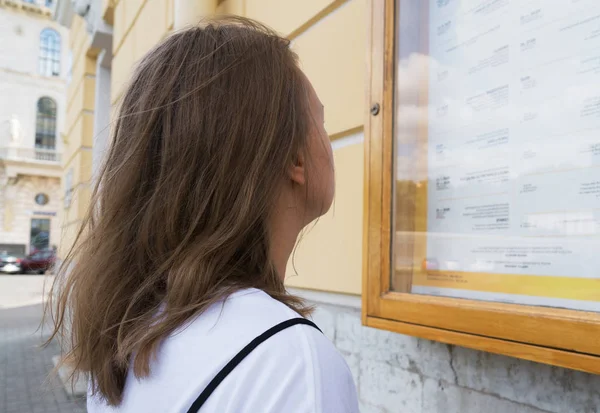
(398,373)
(389,388)
(442,397)
(423,357)
(551,388)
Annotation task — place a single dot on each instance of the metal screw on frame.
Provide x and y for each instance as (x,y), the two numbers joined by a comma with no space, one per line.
(375,109)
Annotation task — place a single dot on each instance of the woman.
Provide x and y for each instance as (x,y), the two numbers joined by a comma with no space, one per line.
(219,159)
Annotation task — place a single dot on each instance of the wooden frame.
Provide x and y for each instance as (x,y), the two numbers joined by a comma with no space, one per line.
(565,338)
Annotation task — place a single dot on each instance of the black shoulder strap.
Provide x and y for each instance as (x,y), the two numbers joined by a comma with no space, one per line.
(241,356)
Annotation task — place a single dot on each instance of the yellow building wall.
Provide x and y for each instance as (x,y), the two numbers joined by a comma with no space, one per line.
(284,16)
(79,139)
(138,26)
(78,132)
(330,39)
(332,54)
(80,201)
(80,97)
(331,44)
(328,255)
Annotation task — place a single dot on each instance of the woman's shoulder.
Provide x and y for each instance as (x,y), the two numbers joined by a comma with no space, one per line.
(299,368)
(228,326)
(244,312)
(247,314)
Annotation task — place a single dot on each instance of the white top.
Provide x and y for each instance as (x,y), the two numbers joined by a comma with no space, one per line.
(298,370)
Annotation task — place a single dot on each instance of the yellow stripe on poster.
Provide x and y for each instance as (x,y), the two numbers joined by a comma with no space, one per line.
(586,289)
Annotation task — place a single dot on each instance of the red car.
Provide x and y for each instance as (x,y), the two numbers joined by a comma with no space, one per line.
(40,261)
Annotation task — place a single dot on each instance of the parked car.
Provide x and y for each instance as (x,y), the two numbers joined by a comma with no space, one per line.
(40,261)
(11,263)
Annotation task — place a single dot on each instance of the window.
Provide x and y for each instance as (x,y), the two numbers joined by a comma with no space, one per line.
(40,234)
(483,180)
(49,60)
(41,199)
(45,128)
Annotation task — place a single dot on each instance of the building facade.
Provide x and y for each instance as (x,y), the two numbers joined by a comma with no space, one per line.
(33,76)
(393,372)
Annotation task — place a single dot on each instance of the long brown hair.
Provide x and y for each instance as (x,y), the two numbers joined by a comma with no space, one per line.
(207,128)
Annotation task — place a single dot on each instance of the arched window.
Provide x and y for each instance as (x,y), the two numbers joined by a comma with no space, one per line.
(49,53)
(45,127)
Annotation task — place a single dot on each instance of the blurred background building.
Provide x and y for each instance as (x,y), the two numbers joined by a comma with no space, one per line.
(33,77)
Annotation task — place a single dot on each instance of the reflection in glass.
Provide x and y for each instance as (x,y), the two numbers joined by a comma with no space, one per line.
(497,143)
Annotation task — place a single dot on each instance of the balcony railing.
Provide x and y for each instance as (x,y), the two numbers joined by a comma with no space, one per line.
(47,3)
(43,7)
(29,154)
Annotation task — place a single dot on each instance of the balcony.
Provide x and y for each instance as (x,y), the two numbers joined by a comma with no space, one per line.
(29,154)
(43,7)
(30,161)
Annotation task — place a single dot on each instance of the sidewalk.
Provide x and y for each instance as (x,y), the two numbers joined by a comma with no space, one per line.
(25,385)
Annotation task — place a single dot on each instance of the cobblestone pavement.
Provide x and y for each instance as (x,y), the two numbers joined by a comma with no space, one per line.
(25,383)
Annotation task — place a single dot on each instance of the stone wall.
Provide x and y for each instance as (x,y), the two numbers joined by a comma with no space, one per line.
(402,374)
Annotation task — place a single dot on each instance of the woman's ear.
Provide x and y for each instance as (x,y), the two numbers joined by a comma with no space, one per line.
(297,170)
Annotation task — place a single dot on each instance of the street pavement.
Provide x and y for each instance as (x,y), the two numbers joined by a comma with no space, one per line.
(26,382)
